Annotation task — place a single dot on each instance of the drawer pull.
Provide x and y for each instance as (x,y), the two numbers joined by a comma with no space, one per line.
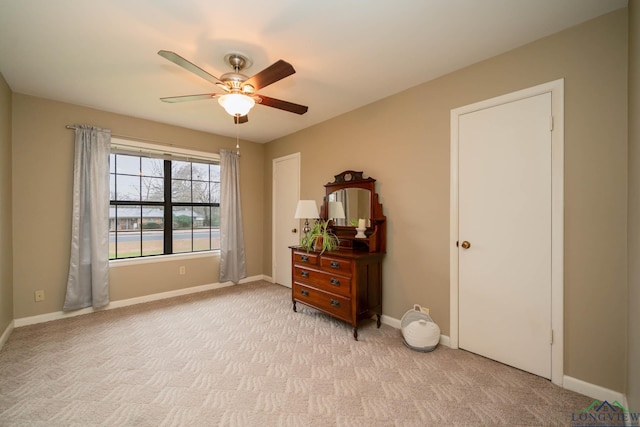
(304,292)
(304,274)
(304,258)
(334,282)
(335,303)
(335,264)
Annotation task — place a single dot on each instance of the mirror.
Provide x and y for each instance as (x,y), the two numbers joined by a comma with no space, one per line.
(348,199)
(348,205)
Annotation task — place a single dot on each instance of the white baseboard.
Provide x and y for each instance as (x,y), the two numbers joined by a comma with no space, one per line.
(5,335)
(255,278)
(32,320)
(569,383)
(395,323)
(573,384)
(391,321)
(594,391)
(445,340)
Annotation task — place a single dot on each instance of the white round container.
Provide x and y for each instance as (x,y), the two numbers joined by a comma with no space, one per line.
(420,333)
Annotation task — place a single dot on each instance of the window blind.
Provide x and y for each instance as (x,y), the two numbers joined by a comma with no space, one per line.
(145,149)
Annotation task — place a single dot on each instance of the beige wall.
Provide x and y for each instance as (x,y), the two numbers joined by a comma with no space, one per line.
(6,256)
(42,193)
(633,355)
(403,141)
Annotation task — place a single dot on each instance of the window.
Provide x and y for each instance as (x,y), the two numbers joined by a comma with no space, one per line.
(160,205)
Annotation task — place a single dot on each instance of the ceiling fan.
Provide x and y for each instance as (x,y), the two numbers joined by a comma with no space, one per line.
(239,90)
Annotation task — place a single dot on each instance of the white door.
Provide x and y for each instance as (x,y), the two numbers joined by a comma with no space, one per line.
(505,220)
(286,229)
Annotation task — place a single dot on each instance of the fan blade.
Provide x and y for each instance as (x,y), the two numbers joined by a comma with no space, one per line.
(189,66)
(188,97)
(241,119)
(283,105)
(271,74)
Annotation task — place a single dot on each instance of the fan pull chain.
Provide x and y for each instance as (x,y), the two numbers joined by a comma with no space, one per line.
(237,133)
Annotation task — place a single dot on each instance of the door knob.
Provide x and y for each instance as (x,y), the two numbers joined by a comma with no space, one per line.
(465,245)
(294,230)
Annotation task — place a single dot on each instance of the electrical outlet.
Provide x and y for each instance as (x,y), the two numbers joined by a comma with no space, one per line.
(39,296)
(182,270)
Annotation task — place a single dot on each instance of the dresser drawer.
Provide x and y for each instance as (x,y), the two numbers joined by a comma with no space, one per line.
(322,280)
(336,265)
(303,258)
(332,304)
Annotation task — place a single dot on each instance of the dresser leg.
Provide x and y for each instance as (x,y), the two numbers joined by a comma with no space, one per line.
(355,334)
(294,307)
(378,320)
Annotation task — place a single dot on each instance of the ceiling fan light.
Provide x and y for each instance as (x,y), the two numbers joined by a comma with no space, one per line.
(236,104)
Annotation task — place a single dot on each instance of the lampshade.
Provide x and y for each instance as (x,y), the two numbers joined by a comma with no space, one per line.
(306,209)
(336,210)
(236,103)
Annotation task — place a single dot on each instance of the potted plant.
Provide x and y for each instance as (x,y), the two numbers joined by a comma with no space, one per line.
(320,238)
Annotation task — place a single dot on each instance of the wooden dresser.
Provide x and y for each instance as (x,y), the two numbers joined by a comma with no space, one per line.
(346,283)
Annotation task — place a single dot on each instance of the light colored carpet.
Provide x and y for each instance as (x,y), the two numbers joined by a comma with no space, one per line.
(240,356)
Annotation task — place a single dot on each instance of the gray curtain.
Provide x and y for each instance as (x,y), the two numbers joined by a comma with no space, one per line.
(88,282)
(232,262)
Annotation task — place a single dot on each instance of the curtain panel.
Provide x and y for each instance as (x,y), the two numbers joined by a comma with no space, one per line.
(88,281)
(232,259)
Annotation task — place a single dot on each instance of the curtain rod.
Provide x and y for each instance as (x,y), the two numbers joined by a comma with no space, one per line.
(133,138)
(168,144)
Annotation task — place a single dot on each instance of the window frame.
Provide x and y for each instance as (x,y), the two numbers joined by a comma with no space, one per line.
(167,153)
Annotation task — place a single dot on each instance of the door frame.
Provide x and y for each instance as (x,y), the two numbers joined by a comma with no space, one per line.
(295,156)
(556,122)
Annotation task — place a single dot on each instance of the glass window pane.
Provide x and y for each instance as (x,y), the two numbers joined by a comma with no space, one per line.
(215,227)
(128,220)
(215,217)
(152,217)
(112,245)
(180,170)
(112,218)
(152,189)
(152,230)
(201,228)
(200,192)
(128,187)
(201,216)
(127,164)
(112,232)
(182,223)
(152,167)
(200,171)
(180,190)
(112,163)
(112,187)
(215,192)
(214,171)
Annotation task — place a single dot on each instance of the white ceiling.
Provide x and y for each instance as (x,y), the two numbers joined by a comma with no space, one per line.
(347,53)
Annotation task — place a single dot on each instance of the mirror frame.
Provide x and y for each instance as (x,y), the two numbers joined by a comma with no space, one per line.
(376,232)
